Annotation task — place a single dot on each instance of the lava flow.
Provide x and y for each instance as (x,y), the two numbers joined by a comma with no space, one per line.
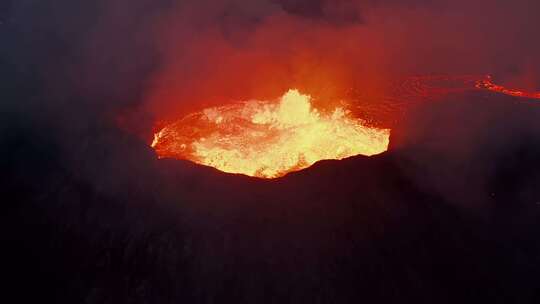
(488,84)
(268,139)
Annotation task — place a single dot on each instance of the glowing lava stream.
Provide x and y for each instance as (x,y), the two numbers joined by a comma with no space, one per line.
(268,139)
(488,84)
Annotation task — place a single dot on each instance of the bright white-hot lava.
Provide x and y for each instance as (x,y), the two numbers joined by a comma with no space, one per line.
(268,139)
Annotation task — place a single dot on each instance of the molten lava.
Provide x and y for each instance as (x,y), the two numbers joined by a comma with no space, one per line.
(268,139)
(488,84)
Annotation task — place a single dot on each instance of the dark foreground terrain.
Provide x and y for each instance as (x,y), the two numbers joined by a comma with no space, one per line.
(451,214)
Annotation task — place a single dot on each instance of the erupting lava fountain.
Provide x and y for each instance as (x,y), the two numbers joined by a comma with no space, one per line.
(268,139)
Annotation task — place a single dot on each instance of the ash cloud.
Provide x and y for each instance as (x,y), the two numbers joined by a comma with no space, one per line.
(229,52)
(168,57)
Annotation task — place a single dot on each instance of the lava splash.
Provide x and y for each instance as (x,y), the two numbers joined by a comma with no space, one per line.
(268,139)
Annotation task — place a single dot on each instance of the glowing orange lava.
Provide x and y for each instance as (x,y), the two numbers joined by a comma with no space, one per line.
(488,84)
(268,139)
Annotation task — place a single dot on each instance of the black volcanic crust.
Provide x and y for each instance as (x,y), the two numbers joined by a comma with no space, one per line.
(451,214)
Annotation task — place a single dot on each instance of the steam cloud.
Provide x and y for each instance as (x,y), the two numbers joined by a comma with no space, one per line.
(174,56)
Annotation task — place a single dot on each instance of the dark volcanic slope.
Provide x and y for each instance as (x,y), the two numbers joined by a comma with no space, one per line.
(450,214)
